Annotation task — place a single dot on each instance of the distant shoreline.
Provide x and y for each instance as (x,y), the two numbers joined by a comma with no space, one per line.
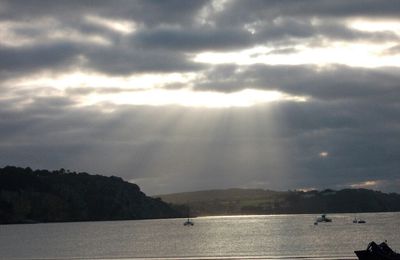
(194,217)
(267,202)
(291,214)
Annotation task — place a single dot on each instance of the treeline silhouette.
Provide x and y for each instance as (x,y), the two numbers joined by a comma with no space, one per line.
(29,196)
(258,201)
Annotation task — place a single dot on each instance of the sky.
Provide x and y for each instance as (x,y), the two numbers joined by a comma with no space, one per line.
(194,95)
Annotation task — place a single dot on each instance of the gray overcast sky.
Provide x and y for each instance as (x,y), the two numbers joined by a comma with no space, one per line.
(192,95)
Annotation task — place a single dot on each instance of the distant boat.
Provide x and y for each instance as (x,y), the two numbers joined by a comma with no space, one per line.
(375,251)
(360,221)
(323,218)
(188,222)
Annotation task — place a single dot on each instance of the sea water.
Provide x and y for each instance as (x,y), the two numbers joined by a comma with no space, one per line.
(264,237)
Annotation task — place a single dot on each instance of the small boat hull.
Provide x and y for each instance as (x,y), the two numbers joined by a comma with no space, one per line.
(323,218)
(188,222)
(377,252)
(365,255)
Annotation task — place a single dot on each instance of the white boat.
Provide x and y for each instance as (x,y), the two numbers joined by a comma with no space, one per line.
(323,218)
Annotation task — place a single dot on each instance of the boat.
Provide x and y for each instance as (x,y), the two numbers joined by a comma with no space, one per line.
(379,252)
(323,218)
(360,221)
(188,222)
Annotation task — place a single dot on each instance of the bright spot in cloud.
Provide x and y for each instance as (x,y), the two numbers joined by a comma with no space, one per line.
(306,189)
(365,184)
(51,30)
(96,80)
(323,154)
(122,26)
(352,54)
(147,89)
(190,98)
(376,26)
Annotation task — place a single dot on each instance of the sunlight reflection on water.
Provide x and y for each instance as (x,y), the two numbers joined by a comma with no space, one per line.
(257,237)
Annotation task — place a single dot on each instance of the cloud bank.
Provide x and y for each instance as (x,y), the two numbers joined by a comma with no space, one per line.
(130,88)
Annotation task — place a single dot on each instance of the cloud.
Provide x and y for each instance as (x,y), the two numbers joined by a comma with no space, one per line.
(378,184)
(350,117)
(193,39)
(278,145)
(329,83)
(29,59)
(169,11)
(365,184)
(126,61)
(258,9)
(63,36)
(117,60)
(291,31)
(394,50)
(163,41)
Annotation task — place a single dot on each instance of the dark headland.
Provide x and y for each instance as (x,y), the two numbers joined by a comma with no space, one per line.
(31,196)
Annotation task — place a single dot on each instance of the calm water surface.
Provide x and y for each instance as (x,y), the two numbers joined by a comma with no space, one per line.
(279,236)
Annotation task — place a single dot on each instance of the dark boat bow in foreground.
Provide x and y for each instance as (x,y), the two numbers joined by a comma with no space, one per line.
(377,252)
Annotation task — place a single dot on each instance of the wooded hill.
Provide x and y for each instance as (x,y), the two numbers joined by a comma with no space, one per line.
(257,201)
(28,196)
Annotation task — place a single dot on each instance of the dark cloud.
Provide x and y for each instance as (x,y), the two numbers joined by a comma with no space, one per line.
(329,83)
(238,11)
(285,30)
(125,60)
(27,59)
(169,11)
(174,11)
(117,59)
(194,39)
